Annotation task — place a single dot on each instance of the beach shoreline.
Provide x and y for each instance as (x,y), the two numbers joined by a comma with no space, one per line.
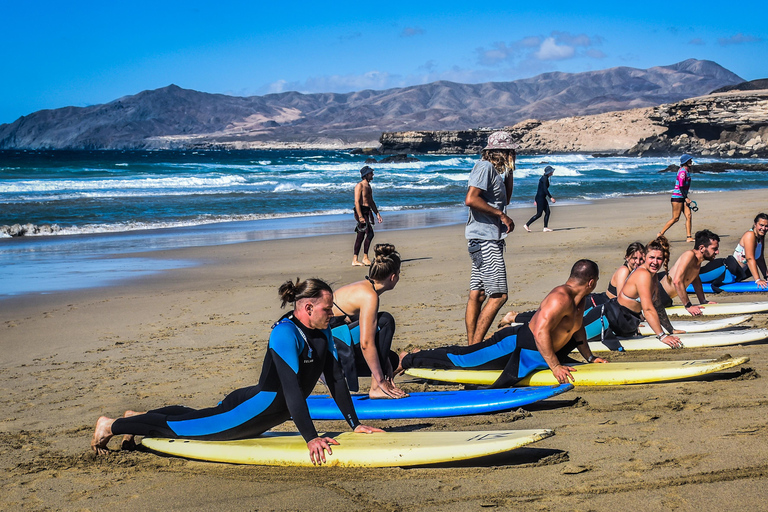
(190,335)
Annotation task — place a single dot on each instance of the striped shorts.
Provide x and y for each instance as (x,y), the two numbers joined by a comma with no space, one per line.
(489,273)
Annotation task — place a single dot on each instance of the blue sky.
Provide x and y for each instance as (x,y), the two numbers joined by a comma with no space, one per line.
(79,53)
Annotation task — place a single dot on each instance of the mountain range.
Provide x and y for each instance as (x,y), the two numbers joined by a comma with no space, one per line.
(175,118)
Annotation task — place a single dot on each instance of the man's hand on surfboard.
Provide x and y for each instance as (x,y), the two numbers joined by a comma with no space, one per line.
(563,373)
(317,448)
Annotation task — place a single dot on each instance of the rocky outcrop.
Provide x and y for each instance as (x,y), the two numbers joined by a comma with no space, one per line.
(731,124)
(613,132)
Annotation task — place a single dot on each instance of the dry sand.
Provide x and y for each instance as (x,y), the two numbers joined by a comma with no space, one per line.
(192,335)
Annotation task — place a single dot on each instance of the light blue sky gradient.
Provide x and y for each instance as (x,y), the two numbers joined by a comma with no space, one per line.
(79,53)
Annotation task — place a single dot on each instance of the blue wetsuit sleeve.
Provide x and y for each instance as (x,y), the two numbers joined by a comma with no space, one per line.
(286,345)
(337,383)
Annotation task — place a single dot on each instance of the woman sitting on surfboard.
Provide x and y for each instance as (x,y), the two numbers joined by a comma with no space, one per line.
(362,333)
(747,260)
(300,350)
(750,252)
(636,297)
(633,257)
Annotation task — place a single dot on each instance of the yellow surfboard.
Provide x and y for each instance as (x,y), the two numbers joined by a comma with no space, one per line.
(596,374)
(354,450)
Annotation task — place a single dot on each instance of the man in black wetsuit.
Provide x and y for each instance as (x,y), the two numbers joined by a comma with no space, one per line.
(300,349)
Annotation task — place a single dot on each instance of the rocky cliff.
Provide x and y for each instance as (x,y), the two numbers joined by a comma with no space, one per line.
(728,124)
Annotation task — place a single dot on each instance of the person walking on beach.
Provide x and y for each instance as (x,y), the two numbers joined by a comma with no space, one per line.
(553,332)
(542,194)
(300,350)
(362,333)
(680,200)
(365,208)
(488,194)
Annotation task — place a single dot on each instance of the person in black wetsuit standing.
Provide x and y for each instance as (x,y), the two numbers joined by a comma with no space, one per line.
(542,194)
(300,350)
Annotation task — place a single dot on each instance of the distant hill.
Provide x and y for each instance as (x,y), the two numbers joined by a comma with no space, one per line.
(173,117)
(752,85)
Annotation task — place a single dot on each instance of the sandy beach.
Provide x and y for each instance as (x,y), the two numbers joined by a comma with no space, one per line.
(191,335)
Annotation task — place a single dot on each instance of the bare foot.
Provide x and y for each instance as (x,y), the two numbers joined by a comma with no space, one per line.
(101,435)
(129,440)
(366,261)
(508,319)
(547,230)
(400,370)
(378,393)
(690,239)
(356,263)
(525,227)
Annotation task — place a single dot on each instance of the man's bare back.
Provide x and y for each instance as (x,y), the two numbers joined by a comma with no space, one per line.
(559,315)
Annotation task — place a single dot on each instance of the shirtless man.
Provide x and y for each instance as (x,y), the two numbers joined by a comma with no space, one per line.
(365,208)
(686,269)
(555,329)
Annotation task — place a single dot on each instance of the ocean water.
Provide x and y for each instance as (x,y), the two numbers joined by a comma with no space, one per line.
(115,203)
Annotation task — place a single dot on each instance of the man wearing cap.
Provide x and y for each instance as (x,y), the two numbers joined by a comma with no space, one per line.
(680,200)
(365,208)
(542,194)
(488,194)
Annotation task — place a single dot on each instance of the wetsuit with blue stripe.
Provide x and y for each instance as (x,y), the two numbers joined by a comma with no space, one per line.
(512,349)
(295,359)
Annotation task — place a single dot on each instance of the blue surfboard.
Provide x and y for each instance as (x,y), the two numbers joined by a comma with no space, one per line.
(435,404)
(740,287)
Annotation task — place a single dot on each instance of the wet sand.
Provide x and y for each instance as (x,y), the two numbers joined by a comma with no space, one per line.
(191,335)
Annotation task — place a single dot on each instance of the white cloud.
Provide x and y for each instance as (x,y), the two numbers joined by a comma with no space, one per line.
(558,46)
(277,86)
(550,50)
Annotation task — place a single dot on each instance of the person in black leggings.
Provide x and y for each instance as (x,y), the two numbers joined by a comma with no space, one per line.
(300,350)
(542,194)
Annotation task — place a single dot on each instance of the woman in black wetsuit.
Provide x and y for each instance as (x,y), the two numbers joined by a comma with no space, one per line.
(542,206)
(300,350)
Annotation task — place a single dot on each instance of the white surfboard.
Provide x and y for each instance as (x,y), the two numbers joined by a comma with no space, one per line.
(728,308)
(710,339)
(692,326)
